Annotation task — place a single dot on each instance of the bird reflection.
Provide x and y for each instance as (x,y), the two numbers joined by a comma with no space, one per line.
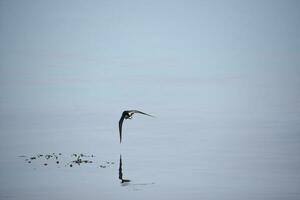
(124,182)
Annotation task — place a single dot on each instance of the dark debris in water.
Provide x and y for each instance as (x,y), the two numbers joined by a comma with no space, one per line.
(57,159)
(79,161)
(106,164)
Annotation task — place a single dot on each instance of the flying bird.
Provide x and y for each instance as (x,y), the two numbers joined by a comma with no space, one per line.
(127,114)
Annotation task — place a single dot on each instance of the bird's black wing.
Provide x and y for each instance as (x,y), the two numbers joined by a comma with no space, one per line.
(137,111)
(120,126)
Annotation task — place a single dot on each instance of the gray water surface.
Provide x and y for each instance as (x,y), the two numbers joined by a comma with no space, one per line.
(191,155)
(222,79)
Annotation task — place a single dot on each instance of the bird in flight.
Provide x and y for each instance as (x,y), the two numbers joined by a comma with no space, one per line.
(127,114)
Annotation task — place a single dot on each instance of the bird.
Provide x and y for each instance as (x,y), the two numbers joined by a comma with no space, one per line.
(127,114)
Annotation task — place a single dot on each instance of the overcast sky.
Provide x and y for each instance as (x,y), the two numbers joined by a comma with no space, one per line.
(58,51)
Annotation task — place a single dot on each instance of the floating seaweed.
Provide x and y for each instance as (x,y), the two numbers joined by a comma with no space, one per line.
(80,161)
(57,159)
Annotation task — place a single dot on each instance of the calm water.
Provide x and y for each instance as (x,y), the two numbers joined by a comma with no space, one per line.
(204,148)
(222,78)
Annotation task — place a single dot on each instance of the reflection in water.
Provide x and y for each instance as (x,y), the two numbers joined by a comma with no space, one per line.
(124,182)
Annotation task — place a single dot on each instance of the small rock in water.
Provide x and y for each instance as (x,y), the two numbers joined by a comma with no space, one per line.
(45,164)
(71,165)
(33,158)
(57,162)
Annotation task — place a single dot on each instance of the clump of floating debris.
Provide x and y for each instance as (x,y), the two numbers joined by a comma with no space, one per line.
(45,159)
(106,164)
(79,159)
(58,159)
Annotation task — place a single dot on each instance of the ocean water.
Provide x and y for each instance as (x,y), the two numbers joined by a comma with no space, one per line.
(218,138)
(221,77)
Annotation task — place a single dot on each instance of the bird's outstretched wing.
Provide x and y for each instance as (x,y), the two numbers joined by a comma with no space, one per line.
(120,126)
(137,111)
